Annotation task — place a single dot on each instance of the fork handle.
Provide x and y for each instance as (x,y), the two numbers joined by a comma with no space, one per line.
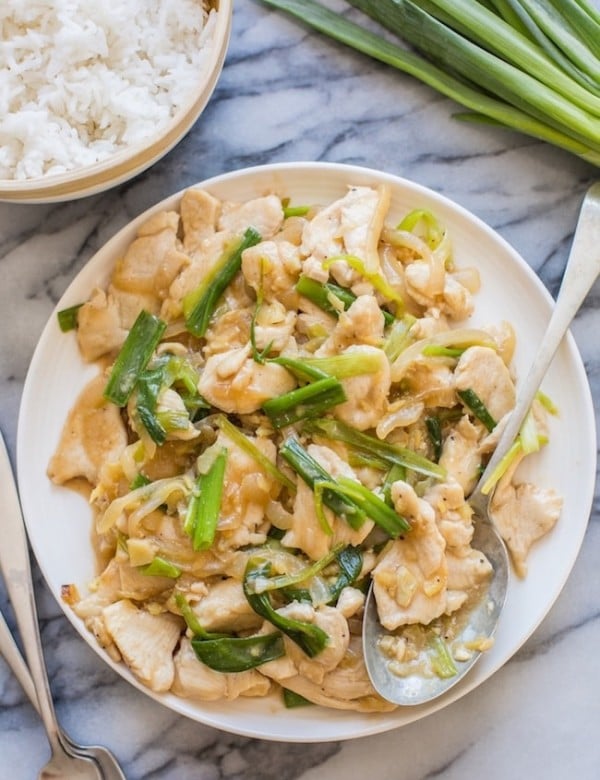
(16,567)
(583,267)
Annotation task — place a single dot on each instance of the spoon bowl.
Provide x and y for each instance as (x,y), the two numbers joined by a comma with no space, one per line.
(582,269)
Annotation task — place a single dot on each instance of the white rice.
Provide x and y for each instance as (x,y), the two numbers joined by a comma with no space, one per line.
(83,79)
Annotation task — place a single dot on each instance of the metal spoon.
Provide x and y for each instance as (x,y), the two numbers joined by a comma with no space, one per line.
(69,760)
(583,267)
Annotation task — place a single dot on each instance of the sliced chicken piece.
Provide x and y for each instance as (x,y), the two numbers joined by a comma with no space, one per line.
(145,641)
(333,623)
(367,394)
(273,268)
(410,578)
(362,323)
(460,454)
(199,215)
(453,513)
(237,384)
(351,225)
(306,532)
(431,382)
(152,260)
(523,513)
(247,492)
(482,370)
(100,328)
(225,608)
(94,434)
(274,327)
(265,215)
(467,571)
(195,680)
(229,331)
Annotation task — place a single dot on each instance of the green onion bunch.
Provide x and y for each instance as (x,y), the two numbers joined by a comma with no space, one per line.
(529,65)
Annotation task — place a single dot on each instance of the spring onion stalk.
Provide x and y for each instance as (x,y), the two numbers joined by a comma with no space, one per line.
(67,318)
(347,364)
(293,211)
(259,584)
(204,507)
(238,654)
(470,398)
(442,662)
(167,371)
(434,431)
(326,295)
(313,473)
(198,305)
(311,400)
(374,507)
(135,353)
(451,50)
(350,562)
(399,337)
(434,234)
(309,637)
(547,402)
(243,442)
(505,95)
(391,453)
(437,350)
(359,459)
(160,567)
(514,452)
(292,699)
(395,473)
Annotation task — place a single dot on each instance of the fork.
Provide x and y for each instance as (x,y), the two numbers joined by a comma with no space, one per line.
(69,761)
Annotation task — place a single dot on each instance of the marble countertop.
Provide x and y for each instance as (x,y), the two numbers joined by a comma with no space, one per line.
(288,94)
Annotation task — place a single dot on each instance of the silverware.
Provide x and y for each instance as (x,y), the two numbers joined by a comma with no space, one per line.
(68,760)
(583,267)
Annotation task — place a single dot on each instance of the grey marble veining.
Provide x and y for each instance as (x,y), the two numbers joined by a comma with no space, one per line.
(287,94)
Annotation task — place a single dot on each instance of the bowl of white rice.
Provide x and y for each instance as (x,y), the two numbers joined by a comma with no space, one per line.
(93,92)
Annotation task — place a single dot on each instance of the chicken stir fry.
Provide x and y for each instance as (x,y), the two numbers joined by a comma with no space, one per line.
(288,408)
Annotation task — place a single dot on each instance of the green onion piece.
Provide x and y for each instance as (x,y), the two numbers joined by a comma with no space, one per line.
(442,662)
(391,453)
(239,654)
(437,350)
(135,353)
(359,459)
(199,305)
(312,400)
(160,567)
(347,364)
(395,474)
(528,434)
(434,234)
(204,507)
(476,405)
(293,211)
(67,318)
(399,337)
(434,429)
(321,295)
(139,481)
(313,473)
(547,402)
(241,441)
(309,637)
(292,700)
(266,584)
(350,561)
(373,506)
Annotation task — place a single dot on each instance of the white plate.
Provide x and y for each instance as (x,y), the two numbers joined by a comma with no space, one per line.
(58,520)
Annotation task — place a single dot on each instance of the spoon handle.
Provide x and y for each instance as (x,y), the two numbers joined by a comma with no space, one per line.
(583,267)
(15,565)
